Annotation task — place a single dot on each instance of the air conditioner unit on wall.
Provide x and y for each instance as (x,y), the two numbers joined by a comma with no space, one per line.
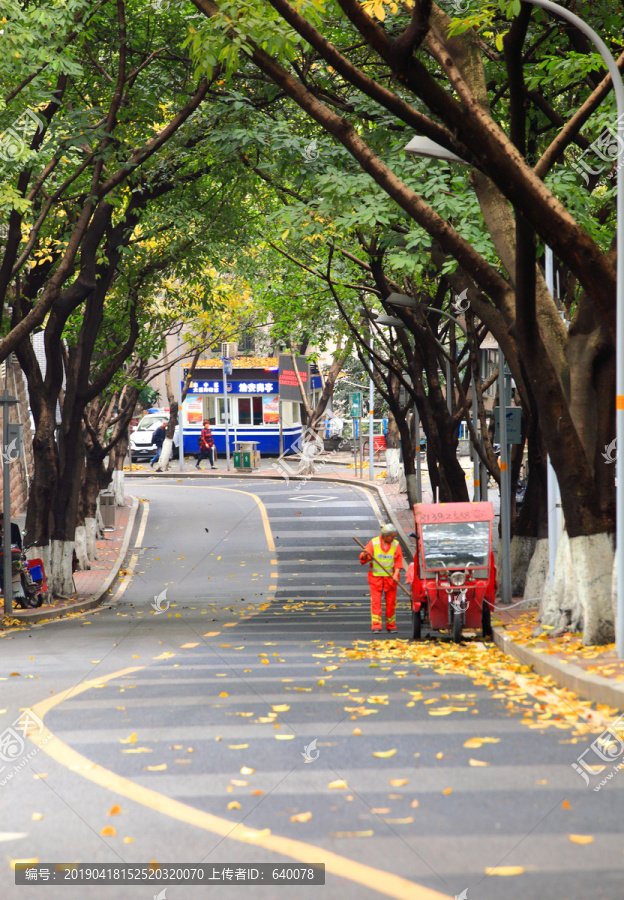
(229,349)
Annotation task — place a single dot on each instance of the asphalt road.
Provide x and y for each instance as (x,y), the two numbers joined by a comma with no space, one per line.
(189,720)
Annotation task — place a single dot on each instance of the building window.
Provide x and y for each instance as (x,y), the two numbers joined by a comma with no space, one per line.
(246,343)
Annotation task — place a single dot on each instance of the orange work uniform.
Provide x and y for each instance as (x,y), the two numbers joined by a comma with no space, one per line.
(380,552)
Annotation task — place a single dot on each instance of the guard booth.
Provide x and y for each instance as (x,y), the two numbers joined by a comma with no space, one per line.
(257,411)
(246,455)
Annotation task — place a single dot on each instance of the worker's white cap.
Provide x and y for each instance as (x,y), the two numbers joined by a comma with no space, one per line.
(388,529)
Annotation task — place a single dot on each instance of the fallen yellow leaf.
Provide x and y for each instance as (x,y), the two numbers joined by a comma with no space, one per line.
(476,742)
(505,870)
(159,768)
(384,754)
(128,840)
(349,834)
(245,770)
(187,646)
(36,817)
(301,817)
(339,785)
(447,791)
(581,838)
(234,804)
(114,810)
(399,782)
(477,762)
(128,740)
(108,831)
(284,737)
(281,707)
(405,821)
(237,746)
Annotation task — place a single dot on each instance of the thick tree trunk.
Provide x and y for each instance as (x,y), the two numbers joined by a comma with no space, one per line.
(61,555)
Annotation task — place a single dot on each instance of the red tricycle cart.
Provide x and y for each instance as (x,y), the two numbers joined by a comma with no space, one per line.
(454,576)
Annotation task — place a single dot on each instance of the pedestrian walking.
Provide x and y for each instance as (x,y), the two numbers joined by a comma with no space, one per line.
(384,555)
(158,439)
(206,446)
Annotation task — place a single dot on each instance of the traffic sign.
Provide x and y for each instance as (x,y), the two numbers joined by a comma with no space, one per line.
(355,405)
(227,366)
(514,425)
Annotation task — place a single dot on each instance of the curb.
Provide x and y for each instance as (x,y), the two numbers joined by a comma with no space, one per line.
(27,617)
(587,686)
(368,486)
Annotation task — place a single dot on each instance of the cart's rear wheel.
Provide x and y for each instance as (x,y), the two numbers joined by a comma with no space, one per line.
(486,619)
(457,626)
(416,623)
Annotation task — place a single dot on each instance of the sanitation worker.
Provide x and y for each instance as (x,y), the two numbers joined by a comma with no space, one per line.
(383,553)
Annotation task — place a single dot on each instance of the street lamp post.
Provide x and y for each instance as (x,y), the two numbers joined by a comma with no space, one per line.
(6,401)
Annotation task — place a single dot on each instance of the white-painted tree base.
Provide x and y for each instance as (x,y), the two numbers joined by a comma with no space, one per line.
(91,533)
(521,552)
(81,548)
(60,577)
(560,608)
(394,469)
(580,598)
(165,455)
(118,487)
(536,582)
(592,563)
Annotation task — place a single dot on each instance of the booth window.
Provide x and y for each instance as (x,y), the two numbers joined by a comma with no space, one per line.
(257,411)
(244,410)
(296,413)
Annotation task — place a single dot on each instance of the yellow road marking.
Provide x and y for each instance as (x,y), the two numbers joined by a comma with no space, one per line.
(383,882)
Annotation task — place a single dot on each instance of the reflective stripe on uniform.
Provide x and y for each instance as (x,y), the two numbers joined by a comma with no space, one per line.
(385,558)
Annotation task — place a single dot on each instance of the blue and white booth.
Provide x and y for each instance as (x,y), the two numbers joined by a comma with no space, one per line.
(255,410)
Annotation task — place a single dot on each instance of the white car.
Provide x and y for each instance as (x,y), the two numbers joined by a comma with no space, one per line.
(141,440)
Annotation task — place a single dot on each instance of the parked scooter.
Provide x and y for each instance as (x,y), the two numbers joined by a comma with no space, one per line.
(27,575)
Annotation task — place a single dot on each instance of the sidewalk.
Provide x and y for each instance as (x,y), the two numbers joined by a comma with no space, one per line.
(93,584)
